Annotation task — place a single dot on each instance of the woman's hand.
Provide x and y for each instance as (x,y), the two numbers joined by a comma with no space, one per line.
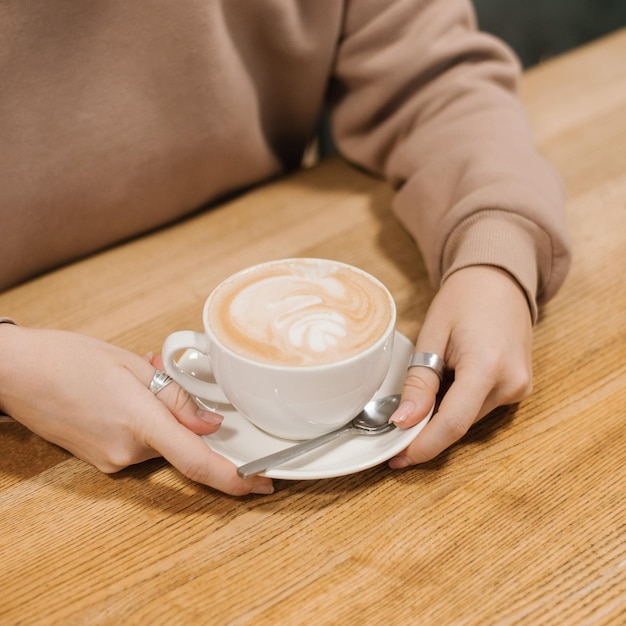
(93,399)
(479,322)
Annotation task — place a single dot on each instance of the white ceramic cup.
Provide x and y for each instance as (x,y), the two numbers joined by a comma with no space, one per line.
(335,352)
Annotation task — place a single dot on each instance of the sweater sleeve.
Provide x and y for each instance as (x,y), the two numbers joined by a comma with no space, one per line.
(423,98)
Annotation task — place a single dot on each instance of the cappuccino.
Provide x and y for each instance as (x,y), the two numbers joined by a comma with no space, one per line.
(299,312)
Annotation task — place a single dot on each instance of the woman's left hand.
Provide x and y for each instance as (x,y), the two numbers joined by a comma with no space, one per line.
(479,322)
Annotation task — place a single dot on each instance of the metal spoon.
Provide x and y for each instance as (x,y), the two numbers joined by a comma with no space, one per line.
(372,420)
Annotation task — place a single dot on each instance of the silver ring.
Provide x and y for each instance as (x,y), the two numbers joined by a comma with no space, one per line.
(429,360)
(159,381)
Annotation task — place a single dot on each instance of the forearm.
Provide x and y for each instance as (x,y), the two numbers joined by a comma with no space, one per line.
(426,100)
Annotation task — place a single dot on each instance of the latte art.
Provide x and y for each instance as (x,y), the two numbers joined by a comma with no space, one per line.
(294,313)
(299,312)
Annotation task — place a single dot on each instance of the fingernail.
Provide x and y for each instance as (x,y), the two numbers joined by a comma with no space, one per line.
(402,412)
(263,489)
(209,418)
(148,356)
(399,462)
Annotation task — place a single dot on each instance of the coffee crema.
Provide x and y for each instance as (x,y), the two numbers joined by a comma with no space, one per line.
(300,312)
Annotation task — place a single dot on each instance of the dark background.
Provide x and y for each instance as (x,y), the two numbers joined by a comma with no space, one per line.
(540,29)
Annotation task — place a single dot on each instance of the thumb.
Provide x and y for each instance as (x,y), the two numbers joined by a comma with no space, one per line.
(195,459)
(418,395)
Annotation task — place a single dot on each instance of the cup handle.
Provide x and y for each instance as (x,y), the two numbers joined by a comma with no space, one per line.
(189,339)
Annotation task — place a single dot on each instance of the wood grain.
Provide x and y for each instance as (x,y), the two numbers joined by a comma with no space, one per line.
(523,522)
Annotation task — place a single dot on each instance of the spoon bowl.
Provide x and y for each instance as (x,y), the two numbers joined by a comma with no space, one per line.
(372,420)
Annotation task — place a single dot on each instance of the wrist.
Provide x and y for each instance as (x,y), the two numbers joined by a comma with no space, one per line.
(495,284)
(504,241)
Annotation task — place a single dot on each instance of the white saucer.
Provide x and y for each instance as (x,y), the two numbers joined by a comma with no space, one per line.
(240,441)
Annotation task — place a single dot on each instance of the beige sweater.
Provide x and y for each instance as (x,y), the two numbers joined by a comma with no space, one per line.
(117,116)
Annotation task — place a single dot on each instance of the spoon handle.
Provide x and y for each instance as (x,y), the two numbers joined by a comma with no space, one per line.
(282,456)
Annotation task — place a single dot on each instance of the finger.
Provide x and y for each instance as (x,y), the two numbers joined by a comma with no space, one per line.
(184,408)
(157,361)
(193,457)
(465,402)
(182,405)
(160,431)
(148,356)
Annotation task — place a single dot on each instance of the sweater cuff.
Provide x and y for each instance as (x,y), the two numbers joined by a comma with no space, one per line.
(504,240)
(3,416)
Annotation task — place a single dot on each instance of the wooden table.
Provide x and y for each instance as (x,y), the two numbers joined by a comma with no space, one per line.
(524,522)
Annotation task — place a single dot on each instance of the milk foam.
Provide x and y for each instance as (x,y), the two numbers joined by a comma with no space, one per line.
(299,313)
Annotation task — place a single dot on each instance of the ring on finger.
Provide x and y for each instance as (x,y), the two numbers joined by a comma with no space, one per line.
(159,381)
(430,360)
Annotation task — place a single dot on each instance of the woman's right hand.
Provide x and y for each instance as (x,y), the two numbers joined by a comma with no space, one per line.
(93,399)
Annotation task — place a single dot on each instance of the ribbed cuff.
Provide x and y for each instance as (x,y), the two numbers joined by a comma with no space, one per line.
(3,416)
(504,240)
